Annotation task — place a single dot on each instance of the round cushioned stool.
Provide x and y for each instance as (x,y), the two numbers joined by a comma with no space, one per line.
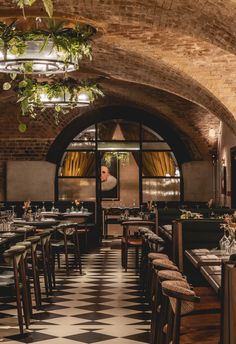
(170,275)
(155,255)
(164,264)
(157,265)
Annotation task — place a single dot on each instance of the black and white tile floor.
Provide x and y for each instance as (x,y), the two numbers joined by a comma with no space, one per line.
(104,305)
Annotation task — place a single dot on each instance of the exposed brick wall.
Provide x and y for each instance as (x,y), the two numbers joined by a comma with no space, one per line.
(24,149)
(173,57)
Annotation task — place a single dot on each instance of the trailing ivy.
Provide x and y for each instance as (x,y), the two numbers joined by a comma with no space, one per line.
(70,43)
(30,92)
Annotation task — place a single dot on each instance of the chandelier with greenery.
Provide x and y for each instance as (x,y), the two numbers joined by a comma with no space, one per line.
(62,95)
(56,49)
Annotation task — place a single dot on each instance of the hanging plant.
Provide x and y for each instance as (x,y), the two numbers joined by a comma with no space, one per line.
(55,49)
(48,5)
(123,157)
(35,97)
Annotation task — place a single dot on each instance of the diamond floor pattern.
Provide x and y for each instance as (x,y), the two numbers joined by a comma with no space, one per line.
(104,305)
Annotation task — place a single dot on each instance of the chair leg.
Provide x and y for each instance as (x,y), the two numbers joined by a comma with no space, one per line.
(78,254)
(45,275)
(66,255)
(169,326)
(58,261)
(37,290)
(18,300)
(27,278)
(53,271)
(49,266)
(25,296)
(136,258)
(125,257)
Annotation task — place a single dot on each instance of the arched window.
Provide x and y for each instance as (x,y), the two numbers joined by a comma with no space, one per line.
(129,143)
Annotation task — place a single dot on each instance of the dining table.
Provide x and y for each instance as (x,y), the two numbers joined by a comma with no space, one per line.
(43,223)
(209,263)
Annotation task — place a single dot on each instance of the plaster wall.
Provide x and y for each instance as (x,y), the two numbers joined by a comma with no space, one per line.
(32,180)
(227,140)
(198,181)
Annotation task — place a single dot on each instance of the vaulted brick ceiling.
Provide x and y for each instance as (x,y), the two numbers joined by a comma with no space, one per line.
(173,56)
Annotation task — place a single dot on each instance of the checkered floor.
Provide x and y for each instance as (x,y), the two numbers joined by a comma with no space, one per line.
(104,305)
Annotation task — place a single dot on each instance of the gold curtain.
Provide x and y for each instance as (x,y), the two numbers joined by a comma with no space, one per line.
(79,164)
(158,164)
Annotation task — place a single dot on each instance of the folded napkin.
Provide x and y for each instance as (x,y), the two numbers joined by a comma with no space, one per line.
(201,250)
(7,234)
(210,257)
(216,268)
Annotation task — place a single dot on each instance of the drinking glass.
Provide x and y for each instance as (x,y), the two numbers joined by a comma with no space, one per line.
(53,208)
(13,212)
(224,241)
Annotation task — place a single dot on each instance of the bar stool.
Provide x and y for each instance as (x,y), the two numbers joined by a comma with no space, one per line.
(15,280)
(159,309)
(181,324)
(152,256)
(152,243)
(158,265)
(130,241)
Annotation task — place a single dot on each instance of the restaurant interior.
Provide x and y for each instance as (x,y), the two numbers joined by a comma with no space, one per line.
(117,172)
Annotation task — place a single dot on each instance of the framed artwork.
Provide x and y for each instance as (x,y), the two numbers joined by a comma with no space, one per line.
(110,178)
(223,180)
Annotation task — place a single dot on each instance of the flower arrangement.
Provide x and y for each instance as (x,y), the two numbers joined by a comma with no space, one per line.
(77,202)
(27,206)
(27,210)
(186,214)
(230,224)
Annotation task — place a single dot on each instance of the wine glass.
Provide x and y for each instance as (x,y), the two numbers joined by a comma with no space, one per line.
(82,207)
(13,212)
(72,209)
(224,241)
(53,208)
(43,207)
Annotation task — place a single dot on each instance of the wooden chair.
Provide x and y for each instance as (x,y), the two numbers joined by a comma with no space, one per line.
(68,243)
(15,280)
(46,260)
(130,241)
(34,241)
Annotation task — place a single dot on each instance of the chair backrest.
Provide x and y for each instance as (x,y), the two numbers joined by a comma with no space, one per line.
(228,320)
(189,234)
(14,256)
